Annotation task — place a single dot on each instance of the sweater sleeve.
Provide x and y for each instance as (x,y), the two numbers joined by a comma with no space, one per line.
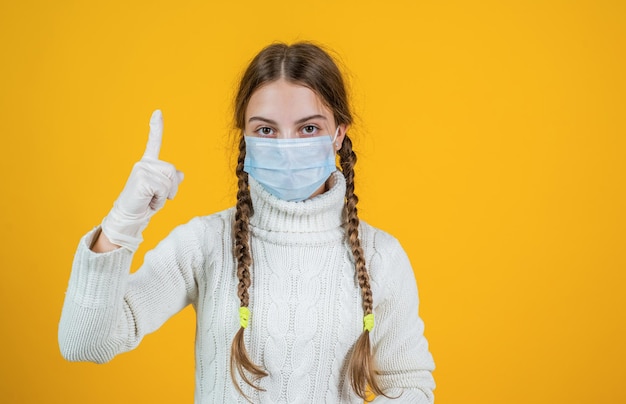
(107,310)
(399,345)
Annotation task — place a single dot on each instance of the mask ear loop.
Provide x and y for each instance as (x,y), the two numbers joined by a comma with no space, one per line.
(335,138)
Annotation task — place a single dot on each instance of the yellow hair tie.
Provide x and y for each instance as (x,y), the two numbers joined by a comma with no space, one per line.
(368,322)
(244,316)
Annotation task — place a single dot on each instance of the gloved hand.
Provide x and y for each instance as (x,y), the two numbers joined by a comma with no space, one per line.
(150,183)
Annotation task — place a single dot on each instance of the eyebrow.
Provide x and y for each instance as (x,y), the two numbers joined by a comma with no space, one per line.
(271,122)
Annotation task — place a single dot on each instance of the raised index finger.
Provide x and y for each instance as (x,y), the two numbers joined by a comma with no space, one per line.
(155,136)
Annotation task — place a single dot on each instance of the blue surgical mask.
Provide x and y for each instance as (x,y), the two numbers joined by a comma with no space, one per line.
(290,169)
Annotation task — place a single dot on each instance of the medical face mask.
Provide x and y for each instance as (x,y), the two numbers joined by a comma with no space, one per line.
(290,169)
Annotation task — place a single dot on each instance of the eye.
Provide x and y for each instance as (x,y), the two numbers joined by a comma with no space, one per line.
(264,131)
(309,130)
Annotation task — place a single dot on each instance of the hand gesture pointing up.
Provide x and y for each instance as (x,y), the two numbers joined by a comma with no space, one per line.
(150,183)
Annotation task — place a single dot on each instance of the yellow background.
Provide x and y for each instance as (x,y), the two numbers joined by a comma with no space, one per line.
(491,138)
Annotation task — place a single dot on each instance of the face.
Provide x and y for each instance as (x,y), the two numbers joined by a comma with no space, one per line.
(284,110)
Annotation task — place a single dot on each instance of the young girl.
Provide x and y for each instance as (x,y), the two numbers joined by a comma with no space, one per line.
(297,300)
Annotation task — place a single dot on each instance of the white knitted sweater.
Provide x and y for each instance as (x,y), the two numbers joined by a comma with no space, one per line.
(305,303)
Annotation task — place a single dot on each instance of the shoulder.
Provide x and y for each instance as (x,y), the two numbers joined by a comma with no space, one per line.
(386,259)
(377,242)
(209,224)
(201,233)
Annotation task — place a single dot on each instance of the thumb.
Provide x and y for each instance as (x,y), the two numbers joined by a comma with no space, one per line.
(178,178)
(155,136)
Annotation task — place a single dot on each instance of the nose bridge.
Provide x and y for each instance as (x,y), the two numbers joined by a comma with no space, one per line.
(287,133)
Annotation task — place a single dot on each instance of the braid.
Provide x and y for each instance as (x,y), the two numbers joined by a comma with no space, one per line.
(242,216)
(348,160)
(239,358)
(361,367)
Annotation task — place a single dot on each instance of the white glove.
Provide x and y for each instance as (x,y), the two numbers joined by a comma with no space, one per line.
(150,182)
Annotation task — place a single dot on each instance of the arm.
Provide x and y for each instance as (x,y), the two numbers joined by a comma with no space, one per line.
(101,242)
(107,311)
(399,345)
(99,319)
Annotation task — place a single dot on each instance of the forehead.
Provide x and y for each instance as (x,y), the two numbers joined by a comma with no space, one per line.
(286,102)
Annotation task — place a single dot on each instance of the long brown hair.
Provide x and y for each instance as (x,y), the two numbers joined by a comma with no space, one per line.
(308,65)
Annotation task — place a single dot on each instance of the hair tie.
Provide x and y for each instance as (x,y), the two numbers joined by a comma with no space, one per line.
(368,322)
(244,316)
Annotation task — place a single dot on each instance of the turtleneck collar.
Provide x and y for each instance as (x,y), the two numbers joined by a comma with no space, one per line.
(320,213)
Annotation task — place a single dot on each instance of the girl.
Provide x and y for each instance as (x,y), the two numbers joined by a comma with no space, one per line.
(297,300)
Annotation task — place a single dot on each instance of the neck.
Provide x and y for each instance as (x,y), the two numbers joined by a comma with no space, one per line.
(322,211)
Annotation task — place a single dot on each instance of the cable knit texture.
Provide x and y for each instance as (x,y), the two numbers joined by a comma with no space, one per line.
(305,303)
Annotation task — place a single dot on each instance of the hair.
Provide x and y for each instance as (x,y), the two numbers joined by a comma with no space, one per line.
(308,65)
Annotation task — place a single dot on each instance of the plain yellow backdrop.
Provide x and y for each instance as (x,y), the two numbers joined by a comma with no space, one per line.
(491,138)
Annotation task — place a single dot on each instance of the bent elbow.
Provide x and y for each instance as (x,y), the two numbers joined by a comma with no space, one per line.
(71,354)
(77,348)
